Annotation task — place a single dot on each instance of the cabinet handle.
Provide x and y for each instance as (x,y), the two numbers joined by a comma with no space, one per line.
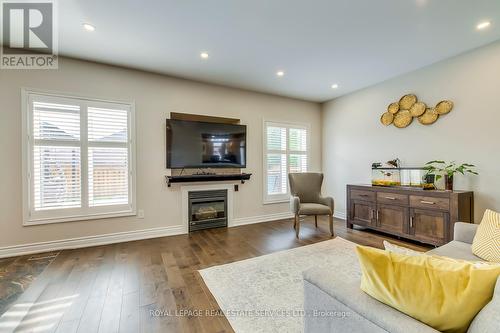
(411,222)
(390,198)
(427,202)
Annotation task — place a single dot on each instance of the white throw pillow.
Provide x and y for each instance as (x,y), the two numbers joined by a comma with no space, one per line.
(400,249)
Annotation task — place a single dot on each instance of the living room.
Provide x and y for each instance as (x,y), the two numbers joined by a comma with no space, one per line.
(230,166)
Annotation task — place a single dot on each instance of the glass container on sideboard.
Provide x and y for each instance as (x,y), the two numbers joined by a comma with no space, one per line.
(407,177)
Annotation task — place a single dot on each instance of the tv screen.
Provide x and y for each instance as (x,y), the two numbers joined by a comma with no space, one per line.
(194,144)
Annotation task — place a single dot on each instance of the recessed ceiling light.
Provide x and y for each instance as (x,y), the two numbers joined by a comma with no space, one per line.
(204,55)
(280,73)
(88,27)
(335,86)
(483,25)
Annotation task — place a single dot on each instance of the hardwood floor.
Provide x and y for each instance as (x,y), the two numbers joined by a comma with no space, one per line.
(153,285)
(17,274)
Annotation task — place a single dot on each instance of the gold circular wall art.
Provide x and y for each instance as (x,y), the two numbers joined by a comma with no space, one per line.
(429,117)
(407,101)
(401,113)
(402,119)
(393,108)
(444,107)
(387,118)
(418,109)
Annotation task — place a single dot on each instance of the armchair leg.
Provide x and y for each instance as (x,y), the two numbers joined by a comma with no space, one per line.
(330,218)
(297,225)
(316,220)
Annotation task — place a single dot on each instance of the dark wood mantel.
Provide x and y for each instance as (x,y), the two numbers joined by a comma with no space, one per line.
(207,178)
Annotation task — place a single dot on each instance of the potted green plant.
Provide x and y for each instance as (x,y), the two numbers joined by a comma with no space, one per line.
(437,168)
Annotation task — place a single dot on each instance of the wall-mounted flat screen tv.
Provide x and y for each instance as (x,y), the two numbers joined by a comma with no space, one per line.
(194,144)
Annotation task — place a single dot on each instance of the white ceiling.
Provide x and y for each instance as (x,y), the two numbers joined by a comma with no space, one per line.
(354,43)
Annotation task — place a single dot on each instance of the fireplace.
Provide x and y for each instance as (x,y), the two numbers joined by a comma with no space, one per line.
(207,209)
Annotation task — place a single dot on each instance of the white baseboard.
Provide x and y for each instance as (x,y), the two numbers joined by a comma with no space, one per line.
(262,218)
(74,243)
(274,217)
(119,237)
(340,215)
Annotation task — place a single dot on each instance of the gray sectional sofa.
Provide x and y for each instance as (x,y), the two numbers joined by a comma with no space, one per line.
(336,304)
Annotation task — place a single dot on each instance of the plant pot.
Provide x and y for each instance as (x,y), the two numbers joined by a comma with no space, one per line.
(448,180)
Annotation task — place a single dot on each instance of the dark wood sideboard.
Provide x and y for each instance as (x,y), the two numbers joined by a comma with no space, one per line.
(412,213)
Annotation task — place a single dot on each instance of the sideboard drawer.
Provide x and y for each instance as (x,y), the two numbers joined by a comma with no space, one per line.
(420,201)
(362,195)
(392,198)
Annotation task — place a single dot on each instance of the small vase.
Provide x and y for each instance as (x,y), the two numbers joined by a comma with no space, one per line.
(448,180)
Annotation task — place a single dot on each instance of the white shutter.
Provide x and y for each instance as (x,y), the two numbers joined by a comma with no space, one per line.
(298,140)
(107,125)
(56,166)
(276,160)
(56,121)
(78,158)
(108,176)
(276,138)
(286,150)
(276,174)
(56,177)
(108,170)
(297,143)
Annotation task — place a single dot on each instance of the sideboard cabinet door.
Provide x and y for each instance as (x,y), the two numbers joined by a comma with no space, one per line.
(392,219)
(362,212)
(429,226)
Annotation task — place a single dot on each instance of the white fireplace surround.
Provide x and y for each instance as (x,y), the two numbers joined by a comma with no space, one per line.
(207,187)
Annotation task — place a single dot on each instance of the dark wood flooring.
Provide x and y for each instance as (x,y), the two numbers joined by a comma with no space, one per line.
(153,285)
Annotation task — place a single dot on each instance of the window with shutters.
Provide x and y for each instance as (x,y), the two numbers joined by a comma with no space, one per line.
(285,151)
(78,158)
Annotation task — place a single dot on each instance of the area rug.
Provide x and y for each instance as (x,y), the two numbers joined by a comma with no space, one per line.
(265,294)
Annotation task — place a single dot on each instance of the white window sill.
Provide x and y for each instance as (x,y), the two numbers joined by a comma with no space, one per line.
(275,201)
(32,222)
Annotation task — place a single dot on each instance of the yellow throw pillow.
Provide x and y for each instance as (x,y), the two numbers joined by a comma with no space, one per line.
(486,243)
(441,292)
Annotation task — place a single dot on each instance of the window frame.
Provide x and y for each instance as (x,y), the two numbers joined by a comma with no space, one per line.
(284,197)
(30,217)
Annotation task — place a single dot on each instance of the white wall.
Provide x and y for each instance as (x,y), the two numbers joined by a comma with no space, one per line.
(155,96)
(353,136)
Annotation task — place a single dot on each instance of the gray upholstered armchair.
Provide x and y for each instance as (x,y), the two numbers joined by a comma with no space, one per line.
(307,200)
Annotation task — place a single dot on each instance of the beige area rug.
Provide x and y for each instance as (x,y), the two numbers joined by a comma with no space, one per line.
(265,294)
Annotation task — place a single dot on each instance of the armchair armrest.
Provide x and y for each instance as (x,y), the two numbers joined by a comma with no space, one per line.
(327,201)
(465,232)
(294,204)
